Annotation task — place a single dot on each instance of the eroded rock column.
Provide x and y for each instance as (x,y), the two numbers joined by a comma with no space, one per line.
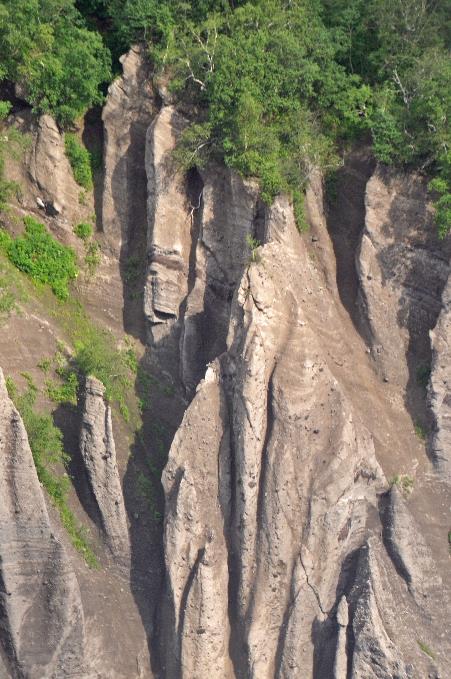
(41,616)
(98,451)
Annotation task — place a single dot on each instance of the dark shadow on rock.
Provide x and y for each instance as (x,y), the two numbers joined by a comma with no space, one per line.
(324,639)
(129,186)
(93,141)
(417,263)
(68,420)
(162,412)
(345,216)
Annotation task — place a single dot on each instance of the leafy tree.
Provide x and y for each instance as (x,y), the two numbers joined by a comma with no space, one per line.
(57,61)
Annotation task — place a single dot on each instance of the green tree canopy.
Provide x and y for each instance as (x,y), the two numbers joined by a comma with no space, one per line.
(58,63)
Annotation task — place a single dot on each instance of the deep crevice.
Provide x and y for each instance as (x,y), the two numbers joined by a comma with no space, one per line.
(345,215)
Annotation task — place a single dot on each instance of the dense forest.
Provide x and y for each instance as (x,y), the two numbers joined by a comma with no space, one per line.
(273,87)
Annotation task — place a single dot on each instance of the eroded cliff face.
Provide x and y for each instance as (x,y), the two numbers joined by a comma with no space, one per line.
(42,625)
(273,472)
(98,451)
(306,525)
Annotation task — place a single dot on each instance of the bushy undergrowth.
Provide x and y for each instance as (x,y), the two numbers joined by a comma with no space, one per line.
(273,88)
(12,143)
(58,62)
(80,160)
(83,230)
(96,353)
(48,454)
(39,255)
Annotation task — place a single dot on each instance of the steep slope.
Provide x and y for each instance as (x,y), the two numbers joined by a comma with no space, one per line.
(305,527)
(272,470)
(42,626)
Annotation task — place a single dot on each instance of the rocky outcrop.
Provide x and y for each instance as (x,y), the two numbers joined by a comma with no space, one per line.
(197,249)
(229,216)
(260,478)
(402,267)
(49,169)
(41,617)
(407,547)
(273,469)
(169,226)
(126,116)
(439,393)
(98,451)
(374,655)
(44,173)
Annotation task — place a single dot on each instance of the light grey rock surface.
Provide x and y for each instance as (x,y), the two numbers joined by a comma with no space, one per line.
(197,245)
(169,226)
(41,617)
(274,473)
(439,393)
(374,655)
(407,547)
(126,116)
(402,267)
(98,451)
(228,217)
(50,170)
(265,482)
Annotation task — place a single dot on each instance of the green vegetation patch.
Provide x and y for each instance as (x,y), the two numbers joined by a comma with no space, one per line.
(12,144)
(425,648)
(404,482)
(421,431)
(48,454)
(83,230)
(423,375)
(96,353)
(80,160)
(92,256)
(58,61)
(39,255)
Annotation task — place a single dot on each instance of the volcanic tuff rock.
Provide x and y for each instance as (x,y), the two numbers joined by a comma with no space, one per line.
(128,111)
(49,168)
(197,249)
(43,171)
(42,628)
(169,222)
(260,478)
(402,267)
(440,387)
(286,555)
(374,655)
(98,451)
(228,216)
(271,470)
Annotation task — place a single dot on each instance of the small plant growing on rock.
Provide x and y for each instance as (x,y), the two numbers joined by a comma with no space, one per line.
(83,231)
(92,256)
(425,648)
(253,244)
(421,431)
(7,299)
(423,375)
(404,483)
